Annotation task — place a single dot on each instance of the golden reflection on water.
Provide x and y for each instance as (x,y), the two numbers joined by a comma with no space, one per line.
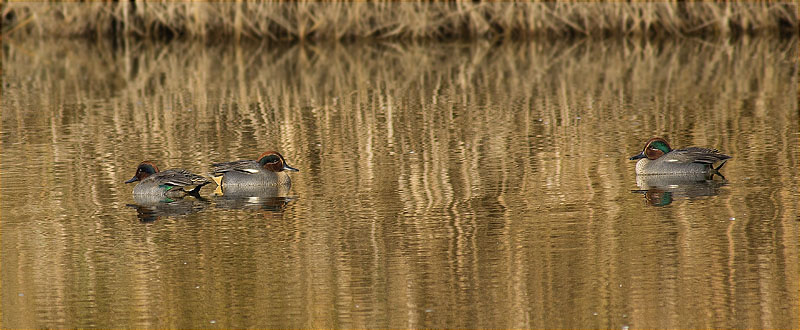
(444,185)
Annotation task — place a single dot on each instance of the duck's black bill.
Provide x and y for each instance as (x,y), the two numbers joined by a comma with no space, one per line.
(639,156)
(133,179)
(289,168)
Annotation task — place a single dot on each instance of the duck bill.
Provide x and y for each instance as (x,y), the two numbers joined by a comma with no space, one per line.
(133,179)
(289,168)
(639,156)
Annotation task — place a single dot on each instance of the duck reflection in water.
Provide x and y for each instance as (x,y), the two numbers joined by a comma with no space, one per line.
(660,190)
(273,198)
(150,208)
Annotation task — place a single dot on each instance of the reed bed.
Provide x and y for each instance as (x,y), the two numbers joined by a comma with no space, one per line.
(335,20)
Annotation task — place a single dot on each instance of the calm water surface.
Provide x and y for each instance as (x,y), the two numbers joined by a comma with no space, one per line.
(441,185)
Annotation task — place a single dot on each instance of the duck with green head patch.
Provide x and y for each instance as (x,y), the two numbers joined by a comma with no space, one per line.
(170,183)
(270,170)
(658,158)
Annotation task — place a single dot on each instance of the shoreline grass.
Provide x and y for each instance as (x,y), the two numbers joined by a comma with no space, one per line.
(297,21)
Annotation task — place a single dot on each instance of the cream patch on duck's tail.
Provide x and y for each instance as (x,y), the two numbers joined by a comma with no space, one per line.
(218,181)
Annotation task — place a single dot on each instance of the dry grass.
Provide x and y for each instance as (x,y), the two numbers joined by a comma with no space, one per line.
(389,20)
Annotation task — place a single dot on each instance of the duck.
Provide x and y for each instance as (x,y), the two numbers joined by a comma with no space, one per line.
(170,183)
(658,158)
(269,170)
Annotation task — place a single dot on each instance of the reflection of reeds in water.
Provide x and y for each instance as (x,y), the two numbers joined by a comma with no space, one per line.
(460,147)
(384,19)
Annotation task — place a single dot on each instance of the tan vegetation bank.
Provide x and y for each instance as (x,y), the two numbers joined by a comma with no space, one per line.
(391,20)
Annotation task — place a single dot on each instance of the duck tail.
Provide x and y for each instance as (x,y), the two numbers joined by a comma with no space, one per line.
(217,180)
(196,191)
(715,171)
(721,165)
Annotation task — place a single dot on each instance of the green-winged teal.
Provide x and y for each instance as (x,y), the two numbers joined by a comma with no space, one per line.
(269,170)
(170,183)
(658,158)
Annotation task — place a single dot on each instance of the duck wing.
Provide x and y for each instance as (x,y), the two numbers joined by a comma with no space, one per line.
(696,155)
(246,166)
(180,178)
